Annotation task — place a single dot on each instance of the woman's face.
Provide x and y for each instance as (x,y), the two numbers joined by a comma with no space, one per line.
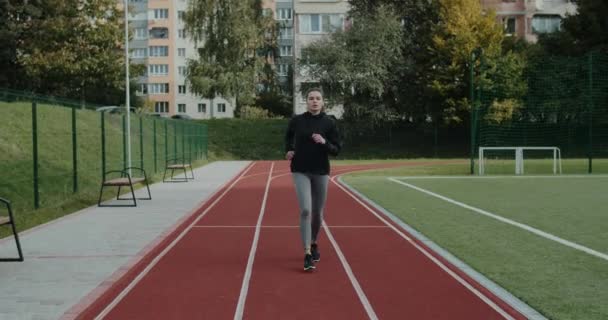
(314,102)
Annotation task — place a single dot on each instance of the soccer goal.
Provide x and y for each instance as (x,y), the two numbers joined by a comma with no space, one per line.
(518,154)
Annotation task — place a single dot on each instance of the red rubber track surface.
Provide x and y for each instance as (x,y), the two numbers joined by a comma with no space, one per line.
(197,271)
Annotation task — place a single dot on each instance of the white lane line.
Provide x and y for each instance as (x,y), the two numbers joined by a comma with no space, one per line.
(240,308)
(286,227)
(261,173)
(362,297)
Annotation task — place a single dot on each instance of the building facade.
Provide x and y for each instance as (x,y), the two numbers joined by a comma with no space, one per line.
(159,41)
(285,61)
(282,59)
(529,18)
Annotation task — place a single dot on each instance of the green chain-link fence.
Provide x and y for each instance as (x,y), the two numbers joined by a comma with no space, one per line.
(51,149)
(562,102)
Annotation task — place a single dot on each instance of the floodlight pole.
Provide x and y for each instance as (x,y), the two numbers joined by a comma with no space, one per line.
(127,89)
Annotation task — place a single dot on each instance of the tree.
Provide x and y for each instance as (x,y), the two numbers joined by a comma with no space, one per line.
(589,27)
(355,66)
(504,86)
(12,28)
(275,102)
(463,29)
(409,86)
(229,34)
(72,48)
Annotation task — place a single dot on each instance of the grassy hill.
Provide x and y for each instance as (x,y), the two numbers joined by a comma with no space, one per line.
(55,154)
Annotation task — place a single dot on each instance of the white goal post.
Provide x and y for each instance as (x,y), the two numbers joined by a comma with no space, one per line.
(519,158)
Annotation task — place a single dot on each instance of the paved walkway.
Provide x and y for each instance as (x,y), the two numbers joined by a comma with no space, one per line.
(69,258)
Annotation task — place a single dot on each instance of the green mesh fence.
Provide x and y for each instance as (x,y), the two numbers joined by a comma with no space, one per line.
(52,150)
(562,102)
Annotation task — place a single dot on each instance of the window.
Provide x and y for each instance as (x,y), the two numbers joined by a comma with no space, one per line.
(286,51)
(158,88)
(138,16)
(181,70)
(546,23)
(181,89)
(181,108)
(159,51)
(320,23)
(221,107)
(286,33)
(181,52)
(158,69)
(159,33)
(315,23)
(142,88)
(283,69)
(509,25)
(161,107)
(202,107)
(331,22)
(141,33)
(139,53)
(161,13)
(284,14)
(181,15)
(181,33)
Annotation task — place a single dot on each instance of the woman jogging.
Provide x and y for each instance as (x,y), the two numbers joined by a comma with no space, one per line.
(311,137)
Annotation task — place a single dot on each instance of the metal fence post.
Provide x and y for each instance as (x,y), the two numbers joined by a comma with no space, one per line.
(35,154)
(154,138)
(141,142)
(74,151)
(591,107)
(124,141)
(103,144)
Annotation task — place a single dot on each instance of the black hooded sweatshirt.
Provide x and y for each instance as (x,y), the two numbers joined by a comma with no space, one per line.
(309,156)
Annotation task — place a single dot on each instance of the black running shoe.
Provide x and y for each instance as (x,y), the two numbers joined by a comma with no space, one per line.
(314,251)
(308,263)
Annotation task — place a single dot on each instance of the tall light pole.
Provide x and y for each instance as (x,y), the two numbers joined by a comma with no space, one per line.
(127,89)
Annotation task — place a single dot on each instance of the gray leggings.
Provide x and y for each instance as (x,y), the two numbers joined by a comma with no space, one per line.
(311,190)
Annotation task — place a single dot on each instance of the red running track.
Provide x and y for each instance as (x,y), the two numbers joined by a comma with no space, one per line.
(239,256)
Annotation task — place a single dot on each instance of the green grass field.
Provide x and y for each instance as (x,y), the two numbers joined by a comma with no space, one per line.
(558,281)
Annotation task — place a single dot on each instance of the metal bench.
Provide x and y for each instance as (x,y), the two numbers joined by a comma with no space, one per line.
(178,164)
(125,180)
(11,220)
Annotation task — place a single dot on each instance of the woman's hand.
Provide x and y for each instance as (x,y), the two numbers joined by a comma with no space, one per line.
(318,138)
(289,155)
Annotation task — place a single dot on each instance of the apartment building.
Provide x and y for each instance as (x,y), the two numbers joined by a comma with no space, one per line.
(529,18)
(313,20)
(160,42)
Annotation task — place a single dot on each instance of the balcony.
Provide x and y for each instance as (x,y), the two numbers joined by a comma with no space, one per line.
(542,5)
